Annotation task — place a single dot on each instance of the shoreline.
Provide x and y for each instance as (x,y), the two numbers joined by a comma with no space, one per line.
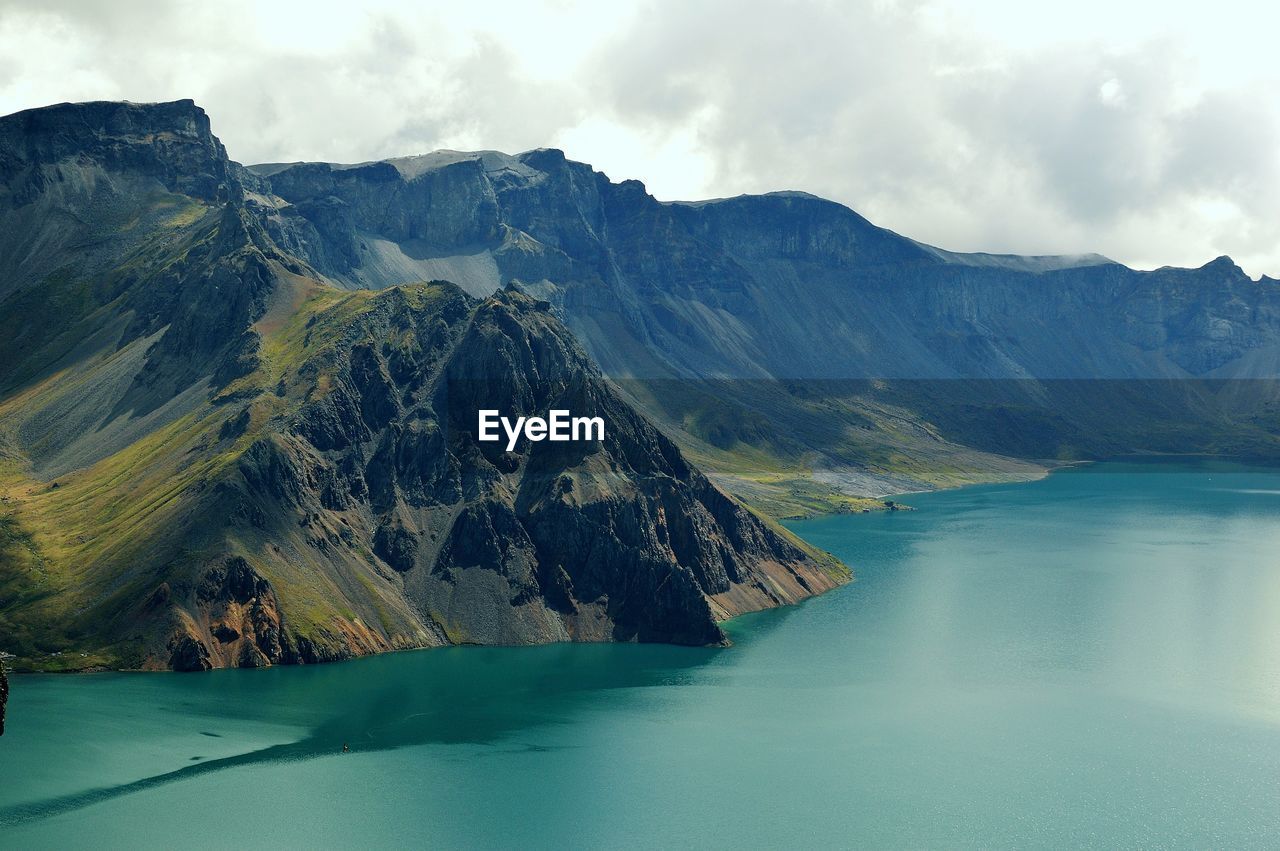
(1266,463)
(1272,464)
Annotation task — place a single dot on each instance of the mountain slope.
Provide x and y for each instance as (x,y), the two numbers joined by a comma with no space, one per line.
(212,456)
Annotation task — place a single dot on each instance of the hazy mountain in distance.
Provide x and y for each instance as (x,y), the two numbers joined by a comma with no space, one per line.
(725,288)
(787,331)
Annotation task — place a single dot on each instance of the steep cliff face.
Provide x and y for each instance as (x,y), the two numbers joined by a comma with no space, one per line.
(784,285)
(883,362)
(213,457)
(62,149)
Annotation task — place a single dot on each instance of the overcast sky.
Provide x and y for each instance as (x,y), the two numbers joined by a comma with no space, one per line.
(1149,132)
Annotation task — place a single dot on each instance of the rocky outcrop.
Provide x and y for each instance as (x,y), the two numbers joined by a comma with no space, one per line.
(240,610)
(619,539)
(171,142)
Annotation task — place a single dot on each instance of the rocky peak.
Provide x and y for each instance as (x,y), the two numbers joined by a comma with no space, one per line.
(170,141)
(544,159)
(797,226)
(1224,265)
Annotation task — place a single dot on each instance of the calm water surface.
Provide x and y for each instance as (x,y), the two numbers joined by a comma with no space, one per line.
(1093,659)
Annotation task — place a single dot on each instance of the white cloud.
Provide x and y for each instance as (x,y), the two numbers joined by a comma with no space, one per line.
(670,161)
(1147,132)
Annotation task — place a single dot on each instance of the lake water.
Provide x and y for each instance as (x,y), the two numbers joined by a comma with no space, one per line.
(1093,659)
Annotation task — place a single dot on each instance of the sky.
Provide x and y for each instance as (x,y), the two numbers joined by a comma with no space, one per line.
(1148,132)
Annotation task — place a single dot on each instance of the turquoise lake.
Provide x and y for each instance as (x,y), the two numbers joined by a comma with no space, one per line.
(1088,660)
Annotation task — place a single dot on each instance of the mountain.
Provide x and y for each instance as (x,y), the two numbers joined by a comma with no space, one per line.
(212,455)
(796,349)
(726,288)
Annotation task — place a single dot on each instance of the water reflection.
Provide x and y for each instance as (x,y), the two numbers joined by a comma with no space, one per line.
(476,695)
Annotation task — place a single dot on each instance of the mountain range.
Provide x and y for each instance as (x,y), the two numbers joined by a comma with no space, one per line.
(237,404)
(799,352)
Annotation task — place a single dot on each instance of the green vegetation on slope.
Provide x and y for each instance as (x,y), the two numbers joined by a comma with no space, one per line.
(69,547)
(797,449)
